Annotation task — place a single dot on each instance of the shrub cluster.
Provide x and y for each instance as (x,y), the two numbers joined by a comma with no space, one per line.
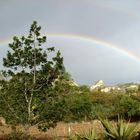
(79,104)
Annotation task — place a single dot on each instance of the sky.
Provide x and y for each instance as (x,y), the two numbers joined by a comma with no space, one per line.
(99,39)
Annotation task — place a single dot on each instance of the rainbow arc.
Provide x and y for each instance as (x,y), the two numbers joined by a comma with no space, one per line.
(91,40)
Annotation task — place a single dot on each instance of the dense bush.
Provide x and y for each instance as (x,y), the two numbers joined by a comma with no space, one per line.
(112,105)
(128,106)
(78,107)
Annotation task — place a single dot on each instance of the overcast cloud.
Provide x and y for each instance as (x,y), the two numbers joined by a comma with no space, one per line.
(116,22)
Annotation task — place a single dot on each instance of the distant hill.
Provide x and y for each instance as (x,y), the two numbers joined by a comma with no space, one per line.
(123,88)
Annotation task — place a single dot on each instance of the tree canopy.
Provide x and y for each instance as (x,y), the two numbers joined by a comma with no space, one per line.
(31,69)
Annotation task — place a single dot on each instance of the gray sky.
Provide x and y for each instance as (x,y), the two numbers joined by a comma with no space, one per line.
(115,22)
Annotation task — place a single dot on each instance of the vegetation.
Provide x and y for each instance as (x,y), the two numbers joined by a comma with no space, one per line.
(30,73)
(89,135)
(35,89)
(111,131)
(120,131)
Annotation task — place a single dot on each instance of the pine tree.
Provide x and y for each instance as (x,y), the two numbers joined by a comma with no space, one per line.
(31,70)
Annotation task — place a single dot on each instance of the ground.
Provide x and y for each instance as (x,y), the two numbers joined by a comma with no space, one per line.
(63,130)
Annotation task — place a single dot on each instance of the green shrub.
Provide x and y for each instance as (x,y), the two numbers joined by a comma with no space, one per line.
(102,110)
(128,107)
(105,105)
(78,107)
(112,105)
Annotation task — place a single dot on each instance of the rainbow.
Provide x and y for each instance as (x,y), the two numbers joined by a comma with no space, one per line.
(91,40)
(96,41)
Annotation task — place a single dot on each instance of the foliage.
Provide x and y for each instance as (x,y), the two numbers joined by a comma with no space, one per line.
(30,72)
(89,135)
(75,103)
(104,104)
(111,105)
(121,131)
(104,98)
(128,106)
(101,110)
(78,107)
